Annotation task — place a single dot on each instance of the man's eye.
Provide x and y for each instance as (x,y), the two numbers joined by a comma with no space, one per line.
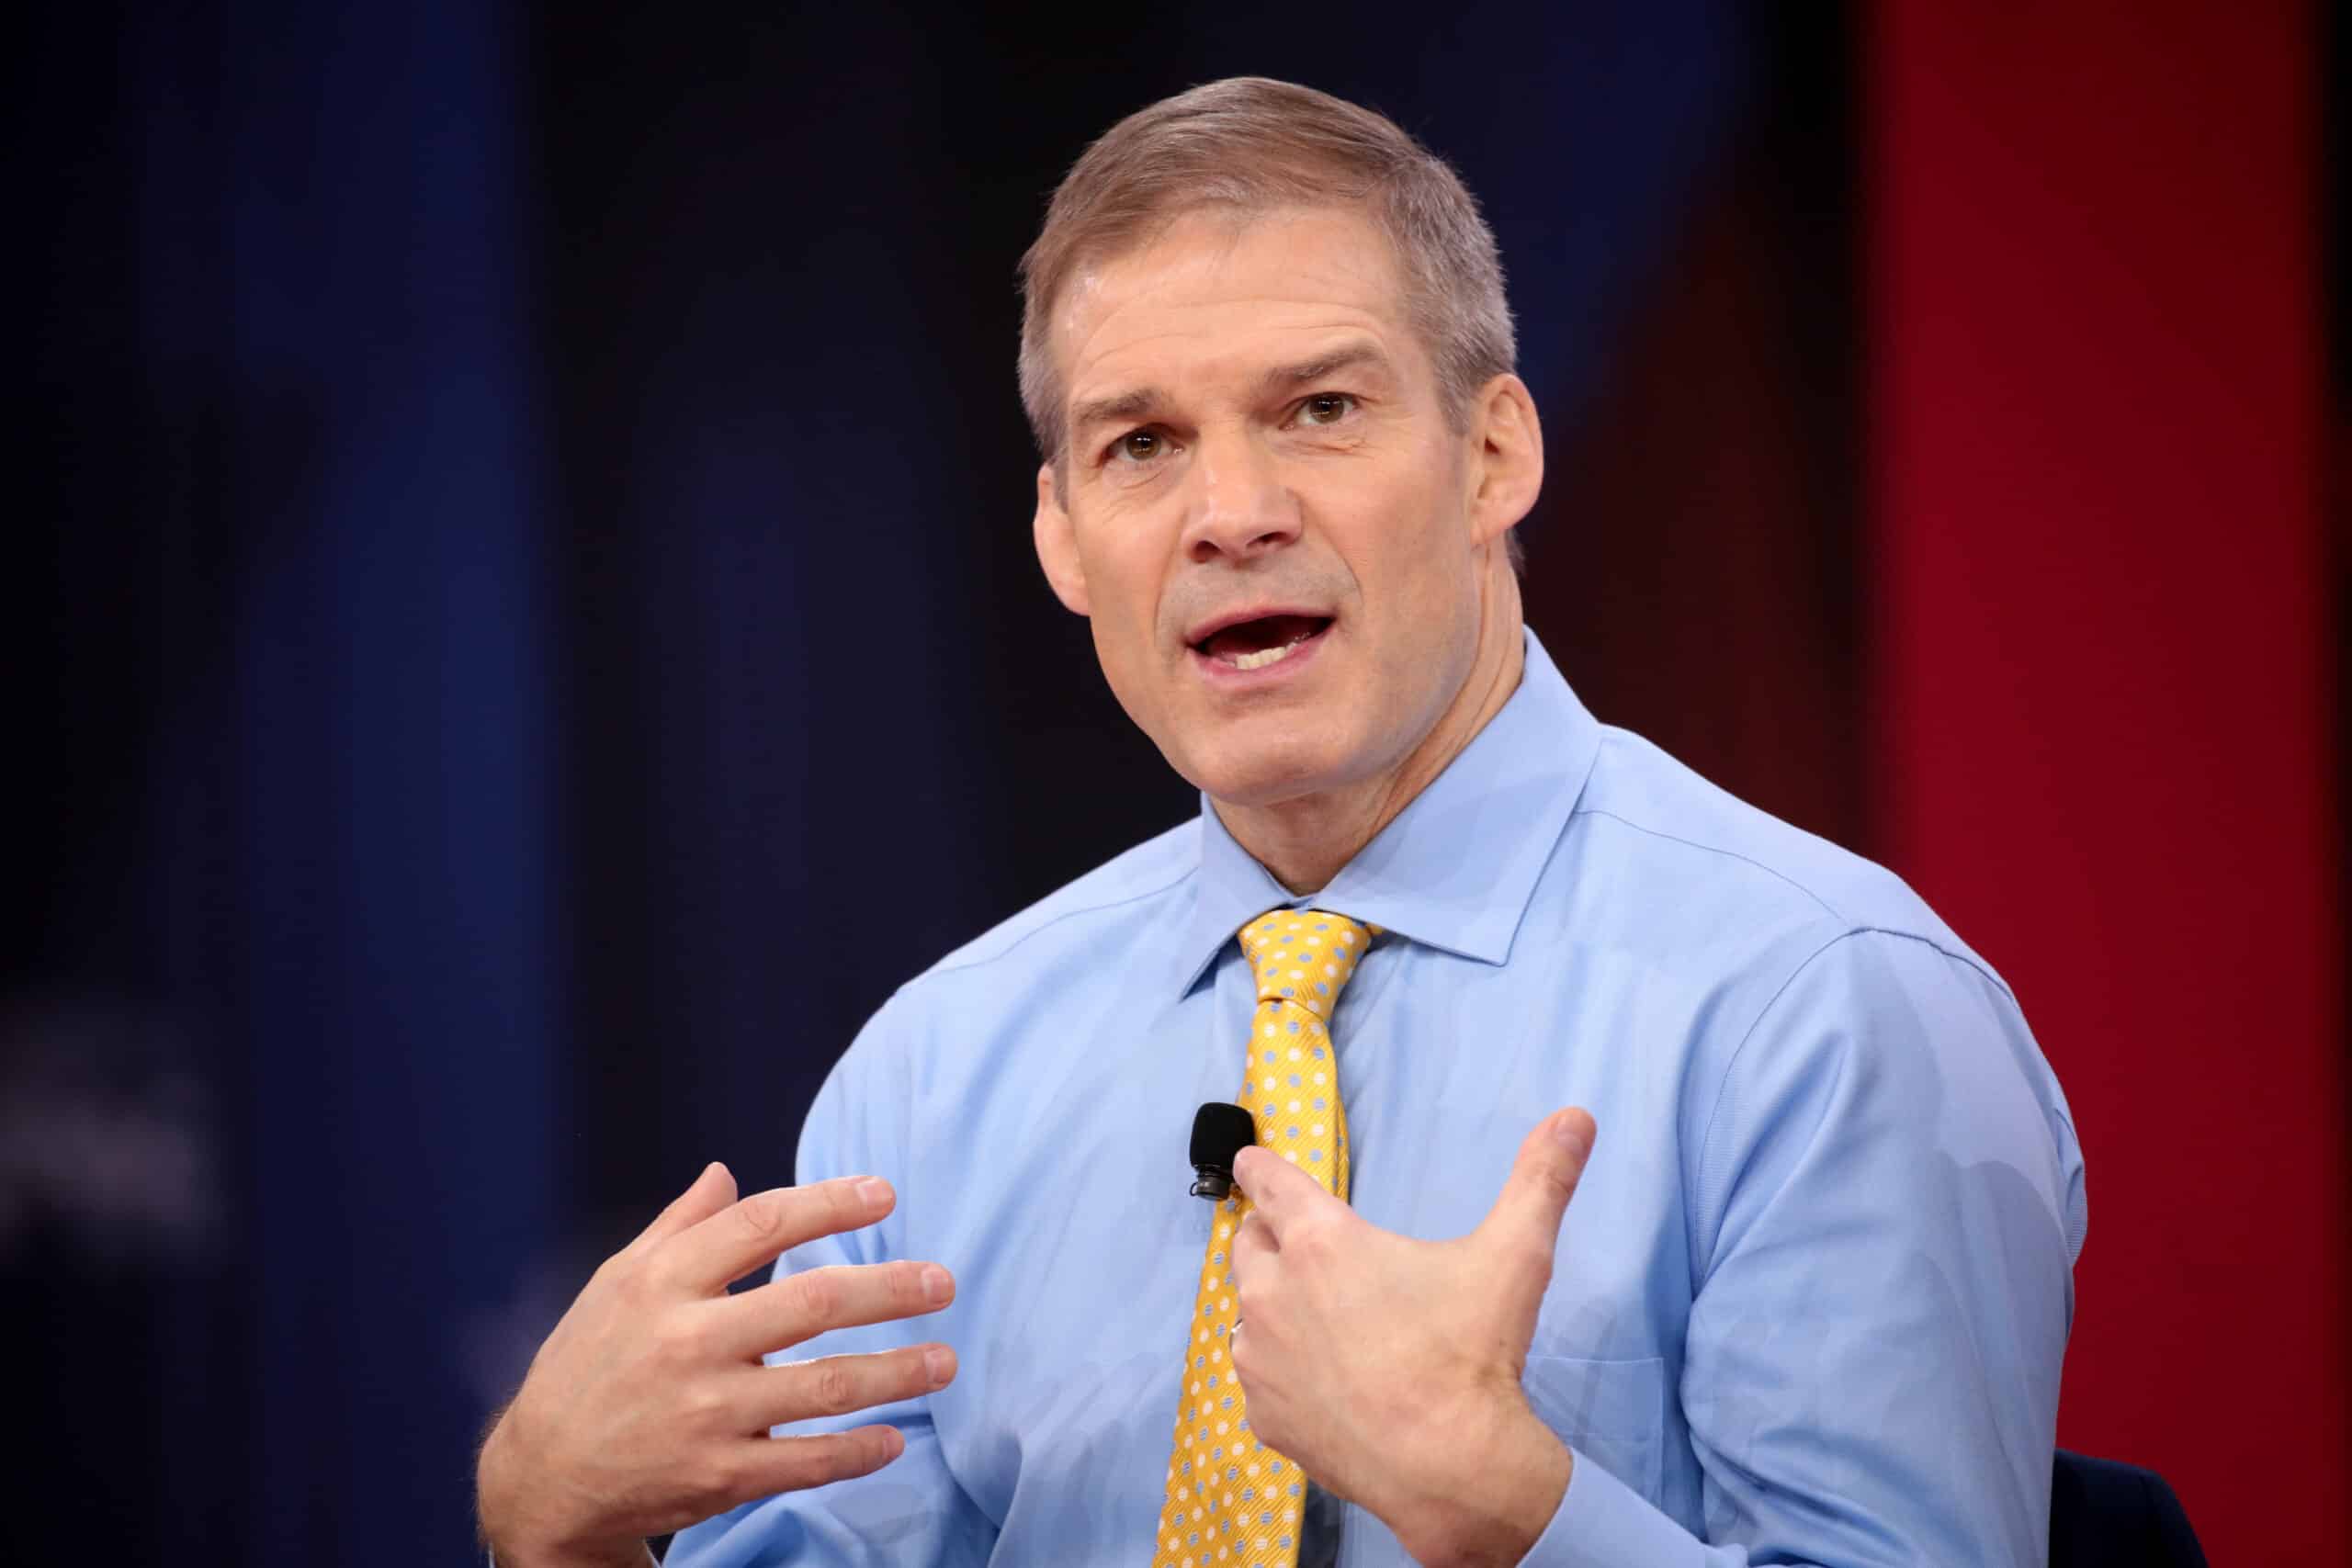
(1325,408)
(1136,446)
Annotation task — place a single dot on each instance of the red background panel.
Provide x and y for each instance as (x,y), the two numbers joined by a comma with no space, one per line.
(2103,703)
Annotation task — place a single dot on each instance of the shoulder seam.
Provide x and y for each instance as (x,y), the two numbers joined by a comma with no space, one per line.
(946,967)
(1807,963)
(1715,1106)
(1714,1109)
(1773,871)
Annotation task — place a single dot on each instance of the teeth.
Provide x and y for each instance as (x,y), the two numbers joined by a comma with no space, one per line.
(1262,658)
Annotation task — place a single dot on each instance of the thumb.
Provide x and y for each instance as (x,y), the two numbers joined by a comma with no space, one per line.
(1535,1195)
(711,1192)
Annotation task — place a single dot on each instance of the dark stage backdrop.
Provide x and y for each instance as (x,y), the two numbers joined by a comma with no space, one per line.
(524,577)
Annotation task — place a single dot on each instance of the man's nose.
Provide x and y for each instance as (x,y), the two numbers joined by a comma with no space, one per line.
(1238,507)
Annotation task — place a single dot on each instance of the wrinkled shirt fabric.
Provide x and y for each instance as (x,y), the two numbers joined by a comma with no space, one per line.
(1808,1305)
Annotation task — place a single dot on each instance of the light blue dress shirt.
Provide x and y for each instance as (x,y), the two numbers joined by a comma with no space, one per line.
(1810,1300)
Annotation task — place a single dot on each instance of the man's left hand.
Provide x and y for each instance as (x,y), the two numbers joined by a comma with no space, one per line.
(1390,1368)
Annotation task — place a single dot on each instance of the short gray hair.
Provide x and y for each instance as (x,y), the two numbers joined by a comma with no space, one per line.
(1250,144)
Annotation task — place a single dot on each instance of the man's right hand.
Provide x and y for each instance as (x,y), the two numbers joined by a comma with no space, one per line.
(647,1409)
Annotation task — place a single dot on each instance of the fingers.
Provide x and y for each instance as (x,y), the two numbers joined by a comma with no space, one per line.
(782,1313)
(834,1386)
(706,1195)
(730,1244)
(1535,1195)
(771,1465)
(1253,1243)
(1281,1192)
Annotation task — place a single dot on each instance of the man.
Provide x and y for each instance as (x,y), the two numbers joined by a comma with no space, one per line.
(1810,1302)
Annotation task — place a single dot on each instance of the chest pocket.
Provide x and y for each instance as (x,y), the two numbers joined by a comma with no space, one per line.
(1613,1413)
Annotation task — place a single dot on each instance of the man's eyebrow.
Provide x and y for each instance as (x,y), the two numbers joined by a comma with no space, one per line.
(1118,406)
(1361,355)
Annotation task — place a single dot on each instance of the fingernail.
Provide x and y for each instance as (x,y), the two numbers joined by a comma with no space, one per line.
(874,1190)
(1565,1131)
(936,1285)
(939,1365)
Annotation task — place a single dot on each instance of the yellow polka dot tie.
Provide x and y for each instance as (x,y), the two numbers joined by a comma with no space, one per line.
(1232,1502)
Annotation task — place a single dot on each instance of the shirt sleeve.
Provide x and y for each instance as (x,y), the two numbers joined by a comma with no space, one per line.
(1885,1206)
(911,1511)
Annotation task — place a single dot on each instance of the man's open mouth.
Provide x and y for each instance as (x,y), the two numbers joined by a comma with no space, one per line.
(1253,645)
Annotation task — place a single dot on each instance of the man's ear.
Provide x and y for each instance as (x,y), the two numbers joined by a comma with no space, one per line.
(1506,457)
(1057,545)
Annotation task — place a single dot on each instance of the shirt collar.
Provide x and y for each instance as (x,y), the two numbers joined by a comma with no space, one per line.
(1457,866)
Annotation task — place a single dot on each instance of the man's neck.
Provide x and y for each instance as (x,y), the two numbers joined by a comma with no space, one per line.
(1305,841)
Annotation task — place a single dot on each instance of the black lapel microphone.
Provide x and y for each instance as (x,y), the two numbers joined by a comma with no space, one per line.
(1219,1133)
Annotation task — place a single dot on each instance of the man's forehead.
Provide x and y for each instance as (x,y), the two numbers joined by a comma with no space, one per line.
(1216,298)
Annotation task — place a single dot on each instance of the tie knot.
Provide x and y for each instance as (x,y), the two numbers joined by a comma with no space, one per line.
(1304,955)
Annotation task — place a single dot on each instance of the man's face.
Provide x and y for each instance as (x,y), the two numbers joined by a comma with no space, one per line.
(1266,519)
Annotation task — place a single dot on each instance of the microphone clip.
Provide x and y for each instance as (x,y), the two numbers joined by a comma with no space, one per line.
(1220,1131)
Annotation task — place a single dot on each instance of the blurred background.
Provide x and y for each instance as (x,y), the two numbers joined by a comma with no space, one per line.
(521,570)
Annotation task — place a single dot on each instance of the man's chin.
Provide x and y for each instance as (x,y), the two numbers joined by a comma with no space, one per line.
(1267,777)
